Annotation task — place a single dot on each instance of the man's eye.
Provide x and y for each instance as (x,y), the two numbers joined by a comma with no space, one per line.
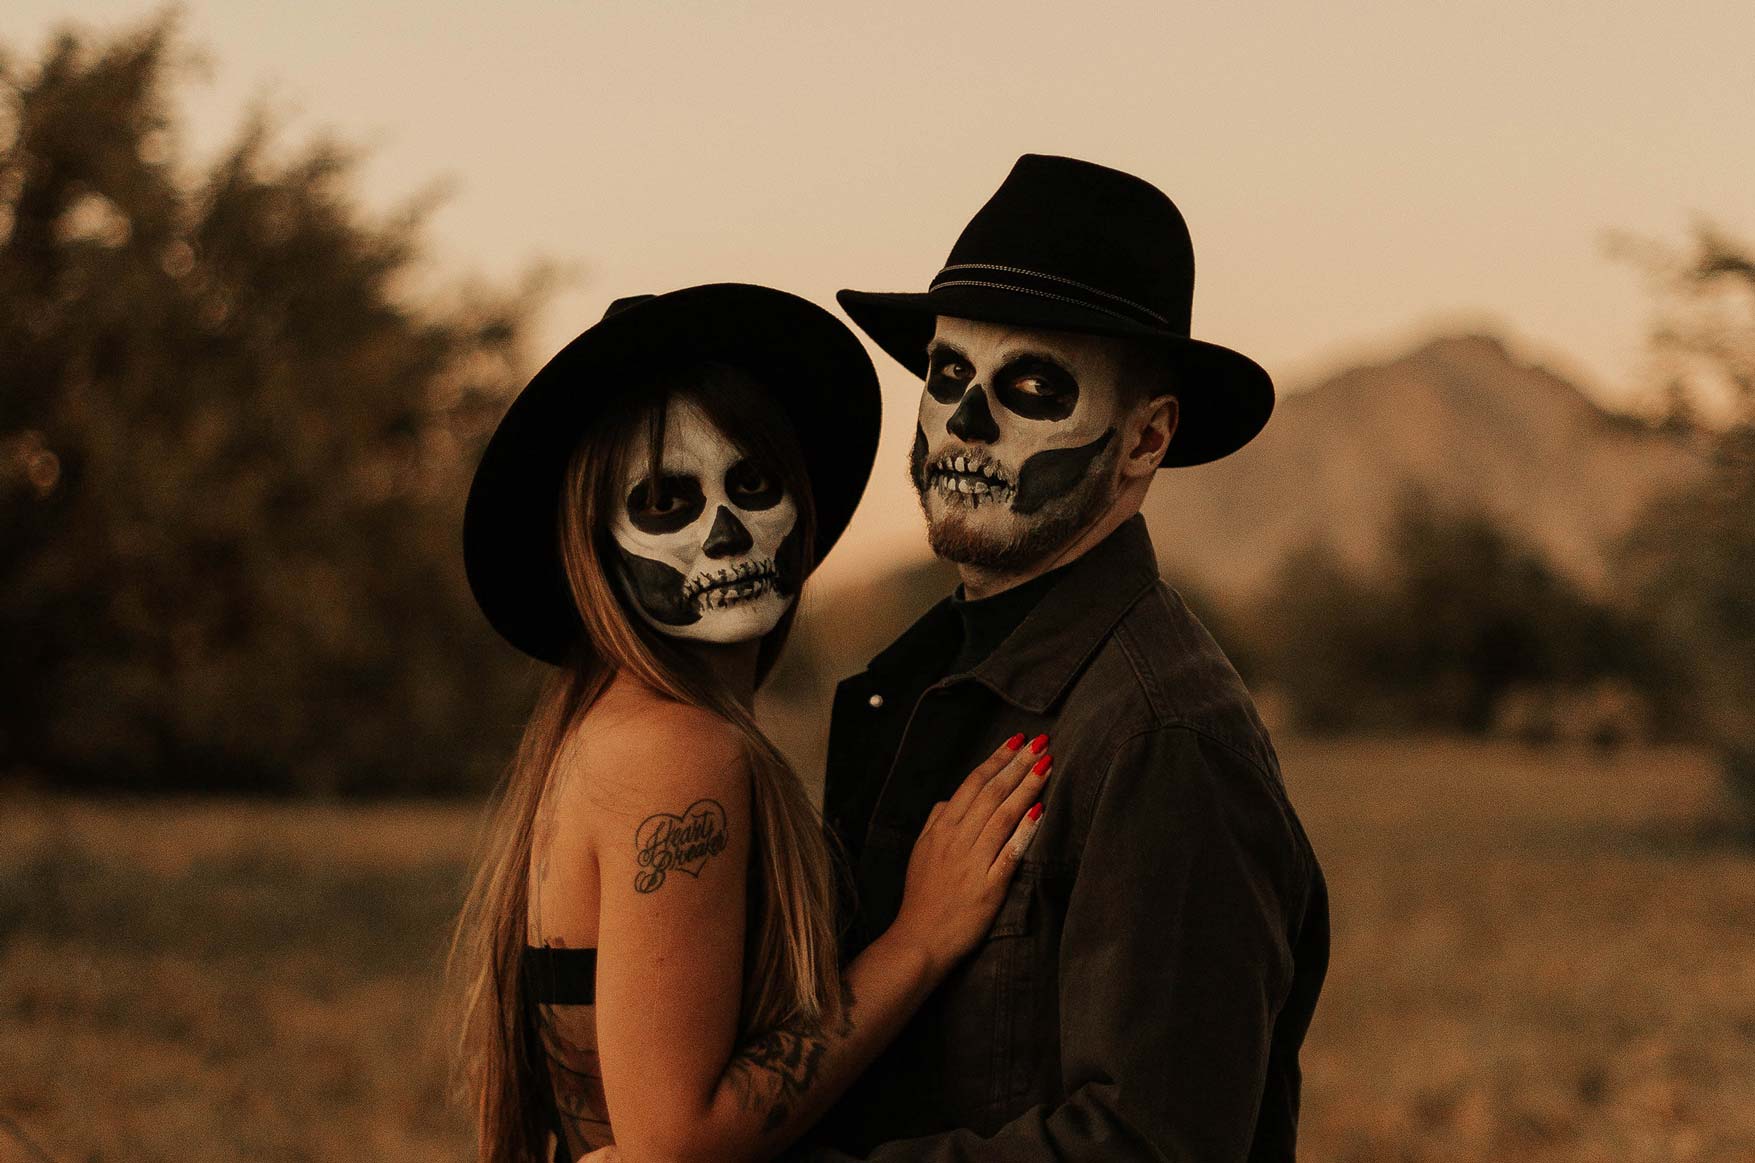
(951,368)
(1036,389)
(947,377)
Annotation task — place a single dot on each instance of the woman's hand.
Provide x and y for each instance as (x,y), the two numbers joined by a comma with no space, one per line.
(968,850)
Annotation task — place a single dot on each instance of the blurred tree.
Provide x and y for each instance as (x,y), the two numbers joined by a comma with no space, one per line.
(1319,634)
(1691,559)
(232,457)
(1219,617)
(1462,614)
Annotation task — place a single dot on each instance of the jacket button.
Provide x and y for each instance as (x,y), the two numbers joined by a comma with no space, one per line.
(876,701)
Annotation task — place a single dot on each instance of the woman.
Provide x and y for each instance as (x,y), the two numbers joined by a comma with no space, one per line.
(649,936)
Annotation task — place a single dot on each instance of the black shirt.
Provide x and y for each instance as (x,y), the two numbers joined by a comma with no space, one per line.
(986,622)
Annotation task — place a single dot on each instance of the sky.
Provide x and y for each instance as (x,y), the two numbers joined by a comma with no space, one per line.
(1356,174)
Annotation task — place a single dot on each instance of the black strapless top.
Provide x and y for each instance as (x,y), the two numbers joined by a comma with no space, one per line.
(560,976)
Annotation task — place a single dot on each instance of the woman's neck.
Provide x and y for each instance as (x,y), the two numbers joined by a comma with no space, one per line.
(732,665)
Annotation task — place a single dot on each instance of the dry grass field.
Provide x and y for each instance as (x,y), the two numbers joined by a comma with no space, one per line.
(1539,955)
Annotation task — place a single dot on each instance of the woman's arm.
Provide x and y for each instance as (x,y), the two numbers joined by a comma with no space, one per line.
(673,861)
(957,876)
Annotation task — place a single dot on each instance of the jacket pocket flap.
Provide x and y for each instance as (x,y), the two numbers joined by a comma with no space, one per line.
(1016,912)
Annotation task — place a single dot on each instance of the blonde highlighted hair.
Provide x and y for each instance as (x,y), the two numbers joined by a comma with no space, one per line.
(792,968)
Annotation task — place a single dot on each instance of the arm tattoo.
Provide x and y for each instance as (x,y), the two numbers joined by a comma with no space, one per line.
(776,1068)
(664,843)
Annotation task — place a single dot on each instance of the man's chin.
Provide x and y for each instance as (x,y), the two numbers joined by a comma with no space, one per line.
(999,542)
(995,539)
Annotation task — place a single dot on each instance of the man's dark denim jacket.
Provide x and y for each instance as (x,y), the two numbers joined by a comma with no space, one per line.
(1153,969)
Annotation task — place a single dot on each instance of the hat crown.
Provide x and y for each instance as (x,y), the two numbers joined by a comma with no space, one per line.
(626,301)
(1059,225)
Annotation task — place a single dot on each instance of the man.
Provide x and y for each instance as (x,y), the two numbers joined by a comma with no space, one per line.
(1147,984)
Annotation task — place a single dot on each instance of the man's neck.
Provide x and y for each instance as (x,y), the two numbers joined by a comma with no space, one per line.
(981,583)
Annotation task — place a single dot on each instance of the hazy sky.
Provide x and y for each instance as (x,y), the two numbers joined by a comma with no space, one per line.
(1354,173)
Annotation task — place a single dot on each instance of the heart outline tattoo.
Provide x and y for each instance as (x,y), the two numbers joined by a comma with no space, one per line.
(666,842)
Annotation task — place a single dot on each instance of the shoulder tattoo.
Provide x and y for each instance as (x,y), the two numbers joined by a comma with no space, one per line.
(666,843)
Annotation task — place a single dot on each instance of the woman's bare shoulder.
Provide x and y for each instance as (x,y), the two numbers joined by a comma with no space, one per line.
(635,748)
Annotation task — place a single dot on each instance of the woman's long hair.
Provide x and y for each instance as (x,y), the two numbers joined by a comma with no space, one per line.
(791,967)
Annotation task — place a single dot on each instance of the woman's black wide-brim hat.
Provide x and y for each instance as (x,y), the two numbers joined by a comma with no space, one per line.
(1068,245)
(811,363)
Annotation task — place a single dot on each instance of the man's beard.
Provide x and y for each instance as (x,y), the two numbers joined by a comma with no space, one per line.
(1030,540)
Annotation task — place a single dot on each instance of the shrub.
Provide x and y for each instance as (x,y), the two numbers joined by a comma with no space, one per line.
(1460,616)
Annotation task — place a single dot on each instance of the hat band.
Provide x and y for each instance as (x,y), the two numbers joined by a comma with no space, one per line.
(1005,278)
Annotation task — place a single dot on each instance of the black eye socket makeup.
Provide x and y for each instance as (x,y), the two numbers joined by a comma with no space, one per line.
(675,504)
(948,374)
(752,488)
(1036,388)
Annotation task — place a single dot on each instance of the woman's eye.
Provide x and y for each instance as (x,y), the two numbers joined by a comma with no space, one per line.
(666,505)
(1032,386)
(752,487)
(646,499)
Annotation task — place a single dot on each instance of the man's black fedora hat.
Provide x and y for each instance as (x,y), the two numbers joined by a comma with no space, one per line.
(811,363)
(1072,246)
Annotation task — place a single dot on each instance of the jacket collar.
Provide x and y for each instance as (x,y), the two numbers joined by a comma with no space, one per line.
(1036,663)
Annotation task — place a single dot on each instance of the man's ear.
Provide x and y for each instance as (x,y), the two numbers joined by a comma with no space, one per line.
(1149,434)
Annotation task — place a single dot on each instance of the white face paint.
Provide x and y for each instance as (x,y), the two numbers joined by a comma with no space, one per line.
(1017,431)
(701,545)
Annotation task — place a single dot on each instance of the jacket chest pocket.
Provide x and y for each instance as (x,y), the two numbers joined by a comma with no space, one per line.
(1000,1012)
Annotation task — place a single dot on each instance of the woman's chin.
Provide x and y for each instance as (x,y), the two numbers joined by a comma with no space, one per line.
(742,621)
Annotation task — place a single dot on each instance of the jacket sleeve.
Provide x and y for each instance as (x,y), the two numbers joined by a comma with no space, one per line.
(1174,961)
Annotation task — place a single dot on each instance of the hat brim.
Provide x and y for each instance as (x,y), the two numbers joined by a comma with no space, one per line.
(1224,398)
(810,362)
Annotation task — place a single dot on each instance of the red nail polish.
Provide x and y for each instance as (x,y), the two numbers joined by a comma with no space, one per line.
(1038,743)
(1041,767)
(1015,742)
(1035,813)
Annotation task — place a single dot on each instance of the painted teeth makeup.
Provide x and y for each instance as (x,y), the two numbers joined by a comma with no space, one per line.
(1015,440)
(702,541)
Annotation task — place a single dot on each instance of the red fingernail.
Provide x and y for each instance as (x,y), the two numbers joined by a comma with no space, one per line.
(1041,767)
(1015,742)
(1038,743)
(1035,813)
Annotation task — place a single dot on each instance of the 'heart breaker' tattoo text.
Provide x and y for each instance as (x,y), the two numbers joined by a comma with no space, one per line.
(665,843)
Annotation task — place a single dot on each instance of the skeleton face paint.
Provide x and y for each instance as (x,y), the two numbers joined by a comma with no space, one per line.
(1016,441)
(704,541)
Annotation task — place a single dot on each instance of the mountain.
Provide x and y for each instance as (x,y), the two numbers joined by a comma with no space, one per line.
(1461,418)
